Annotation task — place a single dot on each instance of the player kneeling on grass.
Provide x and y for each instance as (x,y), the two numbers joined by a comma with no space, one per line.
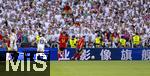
(41,46)
(79,50)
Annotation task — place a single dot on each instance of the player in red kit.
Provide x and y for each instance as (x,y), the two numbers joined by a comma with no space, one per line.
(63,39)
(80,46)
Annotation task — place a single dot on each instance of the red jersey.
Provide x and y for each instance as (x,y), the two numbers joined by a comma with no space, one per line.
(1,37)
(80,43)
(7,42)
(63,41)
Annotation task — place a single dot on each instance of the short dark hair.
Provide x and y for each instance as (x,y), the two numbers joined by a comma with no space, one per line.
(39,33)
(13,30)
(122,36)
(43,35)
(136,33)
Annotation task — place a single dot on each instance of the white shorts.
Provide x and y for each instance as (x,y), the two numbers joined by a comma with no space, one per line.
(40,49)
(13,48)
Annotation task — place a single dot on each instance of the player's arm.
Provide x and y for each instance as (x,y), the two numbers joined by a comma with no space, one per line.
(46,42)
(28,37)
(59,40)
(16,38)
(60,37)
(3,43)
(67,38)
(33,42)
(131,40)
(140,40)
(21,40)
(81,44)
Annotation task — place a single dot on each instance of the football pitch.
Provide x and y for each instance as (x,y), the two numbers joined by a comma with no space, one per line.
(100,68)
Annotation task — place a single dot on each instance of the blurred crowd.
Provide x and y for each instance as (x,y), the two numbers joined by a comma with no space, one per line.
(105,20)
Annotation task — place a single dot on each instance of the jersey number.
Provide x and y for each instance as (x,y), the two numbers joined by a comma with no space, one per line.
(41,41)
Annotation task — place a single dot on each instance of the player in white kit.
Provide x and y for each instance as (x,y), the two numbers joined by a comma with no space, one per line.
(13,40)
(13,45)
(41,46)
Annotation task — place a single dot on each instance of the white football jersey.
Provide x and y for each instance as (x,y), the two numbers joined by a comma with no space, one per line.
(13,41)
(42,41)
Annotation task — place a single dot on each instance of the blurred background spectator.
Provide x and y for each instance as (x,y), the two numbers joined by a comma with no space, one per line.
(110,20)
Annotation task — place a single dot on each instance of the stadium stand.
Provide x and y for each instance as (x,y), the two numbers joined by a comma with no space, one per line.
(106,23)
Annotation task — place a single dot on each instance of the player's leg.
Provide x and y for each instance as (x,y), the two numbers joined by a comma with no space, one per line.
(61,53)
(8,54)
(42,53)
(80,51)
(77,54)
(15,51)
(38,52)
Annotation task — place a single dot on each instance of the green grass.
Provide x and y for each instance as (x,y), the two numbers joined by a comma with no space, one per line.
(100,68)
